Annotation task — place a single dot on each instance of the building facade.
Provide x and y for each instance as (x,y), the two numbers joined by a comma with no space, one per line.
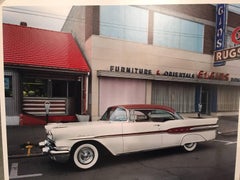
(40,67)
(155,54)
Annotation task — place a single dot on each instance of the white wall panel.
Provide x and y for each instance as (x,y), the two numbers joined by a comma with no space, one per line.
(115,91)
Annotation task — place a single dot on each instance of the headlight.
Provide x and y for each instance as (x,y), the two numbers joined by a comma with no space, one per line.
(50,135)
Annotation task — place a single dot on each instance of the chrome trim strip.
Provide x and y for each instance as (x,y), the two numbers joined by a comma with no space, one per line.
(204,127)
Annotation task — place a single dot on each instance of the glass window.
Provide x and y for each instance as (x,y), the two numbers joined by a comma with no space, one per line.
(178,33)
(124,22)
(115,114)
(229,43)
(59,88)
(119,115)
(8,86)
(160,116)
(34,87)
(141,116)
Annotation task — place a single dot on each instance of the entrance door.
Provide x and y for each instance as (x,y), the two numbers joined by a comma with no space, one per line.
(205,101)
(74,94)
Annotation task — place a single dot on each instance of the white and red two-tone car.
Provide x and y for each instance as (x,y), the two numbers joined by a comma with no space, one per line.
(125,129)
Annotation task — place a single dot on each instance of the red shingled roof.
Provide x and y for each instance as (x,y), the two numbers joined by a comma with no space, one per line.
(32,47)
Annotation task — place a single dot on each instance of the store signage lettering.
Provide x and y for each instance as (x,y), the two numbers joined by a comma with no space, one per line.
(221,12)
(220,26)
(200,75)
(176,74)
(213,75)
(236,35)
(235,79)
(227,54)
(130,70)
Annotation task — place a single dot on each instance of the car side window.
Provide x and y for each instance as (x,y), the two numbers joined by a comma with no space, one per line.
(160,116)
(140,116)
(119,114)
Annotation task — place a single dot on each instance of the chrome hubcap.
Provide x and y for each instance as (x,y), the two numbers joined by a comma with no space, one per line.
(86,155)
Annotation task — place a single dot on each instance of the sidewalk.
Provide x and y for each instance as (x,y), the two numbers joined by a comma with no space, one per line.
(228,125)
(18,137)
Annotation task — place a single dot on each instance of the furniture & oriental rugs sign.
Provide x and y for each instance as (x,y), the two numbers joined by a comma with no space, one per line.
(200,75)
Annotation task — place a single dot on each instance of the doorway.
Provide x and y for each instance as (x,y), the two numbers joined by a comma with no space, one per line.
(205,101)
(74,93)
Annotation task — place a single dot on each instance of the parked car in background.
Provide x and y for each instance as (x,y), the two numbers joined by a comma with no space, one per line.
(125,129)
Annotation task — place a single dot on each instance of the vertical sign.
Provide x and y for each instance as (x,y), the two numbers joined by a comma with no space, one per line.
(220,30)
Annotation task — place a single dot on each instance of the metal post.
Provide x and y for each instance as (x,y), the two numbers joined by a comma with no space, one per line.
(47,108)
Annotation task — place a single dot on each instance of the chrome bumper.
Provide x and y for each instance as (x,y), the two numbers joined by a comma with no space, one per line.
(55,154)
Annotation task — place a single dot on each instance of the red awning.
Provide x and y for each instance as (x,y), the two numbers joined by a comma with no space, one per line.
(32,47)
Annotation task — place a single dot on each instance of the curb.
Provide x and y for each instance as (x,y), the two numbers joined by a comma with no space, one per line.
(227,133)
(26,156)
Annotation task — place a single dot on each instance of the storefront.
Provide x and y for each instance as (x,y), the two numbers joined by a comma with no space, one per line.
(180,90)
(138,73)
(42,67)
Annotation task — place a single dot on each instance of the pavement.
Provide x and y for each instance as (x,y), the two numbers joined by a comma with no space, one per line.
(22,141)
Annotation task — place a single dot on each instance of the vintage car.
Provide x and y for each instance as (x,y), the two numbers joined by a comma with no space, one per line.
(125,129)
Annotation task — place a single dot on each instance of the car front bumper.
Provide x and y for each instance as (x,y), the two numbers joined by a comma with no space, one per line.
(54,153)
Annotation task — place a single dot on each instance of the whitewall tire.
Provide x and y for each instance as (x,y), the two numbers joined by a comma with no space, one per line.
(190,146)
(85,156)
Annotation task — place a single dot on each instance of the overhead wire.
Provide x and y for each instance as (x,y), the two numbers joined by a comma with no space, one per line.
(33,13)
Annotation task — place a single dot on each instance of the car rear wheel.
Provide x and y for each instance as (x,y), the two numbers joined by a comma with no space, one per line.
(85,156)
(190,146)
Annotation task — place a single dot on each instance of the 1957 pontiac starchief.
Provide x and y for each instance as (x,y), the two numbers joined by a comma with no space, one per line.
(125,129)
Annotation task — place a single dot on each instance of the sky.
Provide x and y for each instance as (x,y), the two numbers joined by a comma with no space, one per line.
(48,17)
(44,17)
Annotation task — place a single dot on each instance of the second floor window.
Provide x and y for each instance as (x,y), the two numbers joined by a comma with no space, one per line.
(124,22)
(177,33)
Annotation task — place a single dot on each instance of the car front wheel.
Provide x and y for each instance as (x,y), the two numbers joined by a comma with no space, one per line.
(85,156)
(190,146)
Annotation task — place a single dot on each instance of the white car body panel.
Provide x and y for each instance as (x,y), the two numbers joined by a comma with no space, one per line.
(129,136)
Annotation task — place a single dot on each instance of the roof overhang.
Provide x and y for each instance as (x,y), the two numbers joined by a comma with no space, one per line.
(104,73)
(44,69)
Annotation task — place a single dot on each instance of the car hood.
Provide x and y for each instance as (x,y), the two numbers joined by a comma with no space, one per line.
(51,126)
(83,130)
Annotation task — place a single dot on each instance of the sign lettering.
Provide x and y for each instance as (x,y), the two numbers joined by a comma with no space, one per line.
(200,75)
(213,76)
(130,70)
(220,31)
(220,26)
(236,35)
(227,54)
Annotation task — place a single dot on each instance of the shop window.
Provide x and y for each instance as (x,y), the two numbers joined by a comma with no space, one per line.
(34,87)
(124,22)
(71,89)
(49,88)
(8,86)
(177,33)
(59,88)
(229,43)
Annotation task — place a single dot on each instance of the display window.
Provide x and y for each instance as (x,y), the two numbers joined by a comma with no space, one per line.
(8,86)
(48,88)
(34,87)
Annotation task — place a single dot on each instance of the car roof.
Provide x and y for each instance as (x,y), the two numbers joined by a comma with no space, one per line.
(145,106)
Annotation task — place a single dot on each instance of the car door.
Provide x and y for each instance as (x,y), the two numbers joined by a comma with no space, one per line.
(142,133)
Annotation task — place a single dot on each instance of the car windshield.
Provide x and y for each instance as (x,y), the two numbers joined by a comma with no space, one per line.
(115,114)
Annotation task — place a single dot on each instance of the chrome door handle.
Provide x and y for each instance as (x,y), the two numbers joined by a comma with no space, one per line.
(157,125)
